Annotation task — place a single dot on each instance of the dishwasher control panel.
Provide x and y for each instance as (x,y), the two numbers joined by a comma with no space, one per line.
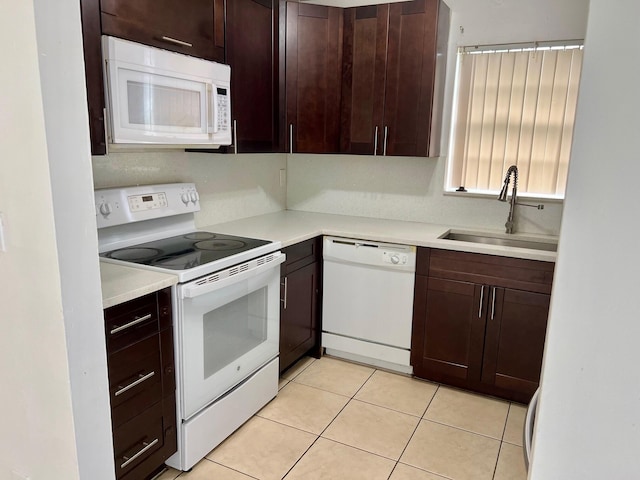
(394,258)
(366,253)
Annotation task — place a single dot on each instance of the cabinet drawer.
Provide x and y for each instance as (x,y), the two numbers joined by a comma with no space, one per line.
(301,254)
(131,321)
(517,273)
(135,379)
(138,439)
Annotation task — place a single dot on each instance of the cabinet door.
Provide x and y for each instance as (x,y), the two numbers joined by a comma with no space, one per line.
(92,47)
(515,341)
(411,60)
(313,77)
(195,27)
(363,78)
(299,314)
(449,323)
(251,48)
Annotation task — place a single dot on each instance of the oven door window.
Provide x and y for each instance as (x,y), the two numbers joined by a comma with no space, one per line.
(226,335)
(233,330)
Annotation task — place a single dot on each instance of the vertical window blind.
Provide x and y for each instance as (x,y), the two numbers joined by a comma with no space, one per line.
(514,106)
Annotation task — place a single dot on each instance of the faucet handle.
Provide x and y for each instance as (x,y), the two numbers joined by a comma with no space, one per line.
(539,206)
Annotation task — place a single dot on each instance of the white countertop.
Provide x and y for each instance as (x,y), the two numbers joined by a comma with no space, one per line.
(121,284)
(290,226)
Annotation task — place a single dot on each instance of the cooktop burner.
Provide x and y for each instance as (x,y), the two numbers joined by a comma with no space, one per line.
(187,251)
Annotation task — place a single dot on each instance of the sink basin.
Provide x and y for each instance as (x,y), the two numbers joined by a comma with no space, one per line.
(502,241)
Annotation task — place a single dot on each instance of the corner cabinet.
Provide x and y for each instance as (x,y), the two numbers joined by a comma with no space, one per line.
(312,49)
(140,361)
(480,321)
(391,94)
(300,302)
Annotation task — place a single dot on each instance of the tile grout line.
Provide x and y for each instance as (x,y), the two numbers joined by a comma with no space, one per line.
(415,430)
(232,469)
(325,428)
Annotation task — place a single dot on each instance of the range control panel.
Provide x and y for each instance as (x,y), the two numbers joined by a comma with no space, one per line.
(117,206)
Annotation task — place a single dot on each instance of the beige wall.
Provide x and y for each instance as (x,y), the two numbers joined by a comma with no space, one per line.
(37,435)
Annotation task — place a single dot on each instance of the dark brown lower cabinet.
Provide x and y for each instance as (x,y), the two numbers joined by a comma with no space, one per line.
(300,302)
(141,367)
(471,329)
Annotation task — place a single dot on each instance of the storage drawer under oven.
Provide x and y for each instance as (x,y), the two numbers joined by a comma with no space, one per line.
(135,379)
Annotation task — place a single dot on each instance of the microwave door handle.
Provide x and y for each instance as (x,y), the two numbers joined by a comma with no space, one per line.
(212,108)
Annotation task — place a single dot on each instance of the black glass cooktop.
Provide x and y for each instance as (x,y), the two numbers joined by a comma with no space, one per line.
(187,251)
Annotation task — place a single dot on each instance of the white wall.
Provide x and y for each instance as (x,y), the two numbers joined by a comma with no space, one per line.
(230,186)
(66,123)
(588,423)
(412,188)
(37,434)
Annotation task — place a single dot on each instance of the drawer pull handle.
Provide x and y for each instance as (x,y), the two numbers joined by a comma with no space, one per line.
(177,42)
(145,446)
(136,321)
(141,378)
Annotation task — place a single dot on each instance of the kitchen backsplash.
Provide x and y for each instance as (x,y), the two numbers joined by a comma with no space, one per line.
(230,186)
(402,188)
(239,186)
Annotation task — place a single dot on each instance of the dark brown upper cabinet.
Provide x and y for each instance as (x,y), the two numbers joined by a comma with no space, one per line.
(312,76)
(195,27)
(252,53)
(391,81)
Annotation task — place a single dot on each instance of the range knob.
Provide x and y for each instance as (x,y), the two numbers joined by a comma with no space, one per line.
(194,197)
(185,198)
(105,209)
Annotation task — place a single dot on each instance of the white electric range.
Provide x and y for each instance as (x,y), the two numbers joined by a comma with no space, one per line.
(226,307)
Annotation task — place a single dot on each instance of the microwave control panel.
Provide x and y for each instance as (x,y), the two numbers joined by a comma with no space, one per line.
(224,112)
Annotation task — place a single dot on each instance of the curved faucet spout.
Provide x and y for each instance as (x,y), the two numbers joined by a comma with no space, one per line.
(513,170)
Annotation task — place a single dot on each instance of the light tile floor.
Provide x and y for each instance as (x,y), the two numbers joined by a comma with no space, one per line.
(337,420)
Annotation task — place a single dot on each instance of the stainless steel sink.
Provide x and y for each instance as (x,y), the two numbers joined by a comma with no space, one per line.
(505,242)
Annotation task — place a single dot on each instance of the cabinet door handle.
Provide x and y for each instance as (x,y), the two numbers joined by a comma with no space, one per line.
(384,143)
(145,446)
(375,142)
(106,132)
(284,300)
(141,378)
(481,302)
(135,321)
(493,304)
(177,42)
(291,138)
(235,137)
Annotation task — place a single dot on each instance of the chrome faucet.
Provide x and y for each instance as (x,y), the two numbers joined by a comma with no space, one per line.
(513,170)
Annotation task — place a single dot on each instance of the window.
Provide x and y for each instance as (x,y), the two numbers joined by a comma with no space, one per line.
(514,106)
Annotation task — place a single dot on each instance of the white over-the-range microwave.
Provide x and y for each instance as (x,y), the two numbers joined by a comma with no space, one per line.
(159,98)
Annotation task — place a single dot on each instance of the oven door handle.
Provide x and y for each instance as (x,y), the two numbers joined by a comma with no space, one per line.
(224,278)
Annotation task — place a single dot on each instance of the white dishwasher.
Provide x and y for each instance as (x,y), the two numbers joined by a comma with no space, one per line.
(367,303)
